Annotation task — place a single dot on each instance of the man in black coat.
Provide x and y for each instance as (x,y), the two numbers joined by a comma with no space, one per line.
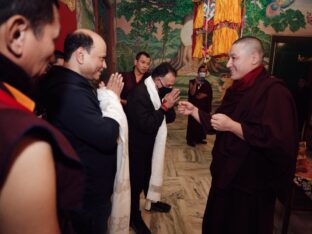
(73,107)
(144,121)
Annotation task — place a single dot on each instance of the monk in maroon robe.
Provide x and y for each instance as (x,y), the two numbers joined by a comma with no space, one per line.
(254,154)
(200,95)
(41,177)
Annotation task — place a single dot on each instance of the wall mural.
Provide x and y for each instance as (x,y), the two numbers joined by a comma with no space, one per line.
(277,17)
(85,14)
(164,29)
(153,26)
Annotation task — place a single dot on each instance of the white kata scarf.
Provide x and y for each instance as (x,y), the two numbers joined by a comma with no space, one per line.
(158,159)
(121,198)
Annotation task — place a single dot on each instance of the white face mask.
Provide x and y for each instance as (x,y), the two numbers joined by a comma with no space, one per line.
(202,74)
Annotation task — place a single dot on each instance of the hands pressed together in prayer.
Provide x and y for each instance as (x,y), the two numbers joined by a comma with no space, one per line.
(172,97)
(114,84)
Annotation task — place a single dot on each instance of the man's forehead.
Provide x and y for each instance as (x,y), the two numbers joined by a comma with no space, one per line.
(237,49)
(170,78)
(143,57)
(98,46)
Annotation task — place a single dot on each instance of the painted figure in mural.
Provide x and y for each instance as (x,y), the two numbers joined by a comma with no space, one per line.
(200,95)
(254,154)
(72,106)
(40,173)
(147,115)
(135,77)
(277,6)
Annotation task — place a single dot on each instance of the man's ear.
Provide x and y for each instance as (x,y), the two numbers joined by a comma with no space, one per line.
(16,28)
(255,58)
(80,55)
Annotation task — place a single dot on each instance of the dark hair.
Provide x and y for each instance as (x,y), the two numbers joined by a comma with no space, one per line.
(138,55)
(201,67)
(38,12)
(75,40)
(163,69)
(58,54)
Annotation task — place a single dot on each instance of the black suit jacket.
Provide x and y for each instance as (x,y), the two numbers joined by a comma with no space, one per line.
(144,121)
(72,106)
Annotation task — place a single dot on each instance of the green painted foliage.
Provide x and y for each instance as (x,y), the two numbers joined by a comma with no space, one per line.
(144,15)
(256,13)
(292,18)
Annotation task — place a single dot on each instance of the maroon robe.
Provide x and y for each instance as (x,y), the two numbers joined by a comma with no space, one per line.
(195,132)
(247,175)
(16,123)
(130,83)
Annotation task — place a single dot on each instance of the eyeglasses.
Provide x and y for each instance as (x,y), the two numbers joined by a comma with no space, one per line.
(169,86)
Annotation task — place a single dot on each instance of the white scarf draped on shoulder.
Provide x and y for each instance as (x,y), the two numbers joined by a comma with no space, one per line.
(121,198)
(156,180)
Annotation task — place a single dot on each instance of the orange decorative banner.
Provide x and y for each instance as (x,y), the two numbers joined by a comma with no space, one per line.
(71,4)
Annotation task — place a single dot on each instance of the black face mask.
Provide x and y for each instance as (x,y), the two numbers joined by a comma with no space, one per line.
(163,91)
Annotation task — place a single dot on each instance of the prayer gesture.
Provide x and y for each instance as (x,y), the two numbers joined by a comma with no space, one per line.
(115,83)
(172,97)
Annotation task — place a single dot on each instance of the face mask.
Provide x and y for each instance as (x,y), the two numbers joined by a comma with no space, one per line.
(163,91)
(202,74)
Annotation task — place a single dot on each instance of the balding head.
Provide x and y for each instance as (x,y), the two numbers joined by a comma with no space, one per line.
(83,38)
(84,53)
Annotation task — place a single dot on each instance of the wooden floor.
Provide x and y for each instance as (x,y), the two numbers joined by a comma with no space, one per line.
(186,184)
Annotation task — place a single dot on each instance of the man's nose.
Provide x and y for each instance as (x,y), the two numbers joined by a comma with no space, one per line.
(104,65)
(229,63)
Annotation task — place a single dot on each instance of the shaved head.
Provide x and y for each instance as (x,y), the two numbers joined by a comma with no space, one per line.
(246,54)
(251,45)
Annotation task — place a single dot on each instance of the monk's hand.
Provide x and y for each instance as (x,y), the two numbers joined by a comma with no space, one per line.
(171,98)
(221,122)
(185,108)
(115,83)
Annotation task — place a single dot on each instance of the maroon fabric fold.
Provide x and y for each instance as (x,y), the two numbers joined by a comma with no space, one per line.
(248,79)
